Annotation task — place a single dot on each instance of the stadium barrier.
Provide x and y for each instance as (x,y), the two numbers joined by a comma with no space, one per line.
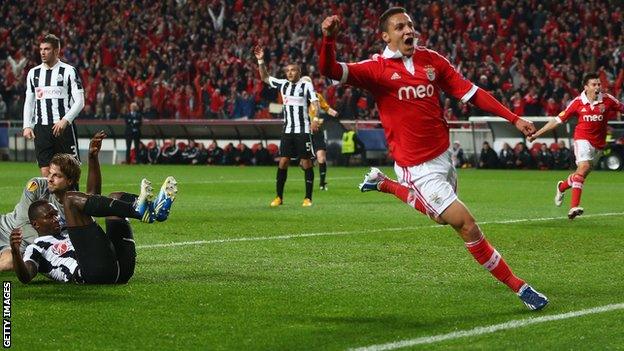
(470,134)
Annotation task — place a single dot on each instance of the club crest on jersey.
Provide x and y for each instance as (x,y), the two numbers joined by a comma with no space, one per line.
(60,248)
(32,186)
(59,78)
(601,108)
(430,72)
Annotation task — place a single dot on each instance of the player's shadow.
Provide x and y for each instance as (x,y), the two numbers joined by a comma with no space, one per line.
(204,277)
(48,290)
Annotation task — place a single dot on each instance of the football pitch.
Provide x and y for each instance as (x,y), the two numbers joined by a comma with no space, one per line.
(356,270)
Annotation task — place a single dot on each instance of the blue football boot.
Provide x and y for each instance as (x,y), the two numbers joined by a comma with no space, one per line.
(164,199)
(533,299)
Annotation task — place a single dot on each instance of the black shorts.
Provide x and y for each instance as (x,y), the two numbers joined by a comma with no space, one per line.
(318,141)
(296,146)
(104,258)
(47,145)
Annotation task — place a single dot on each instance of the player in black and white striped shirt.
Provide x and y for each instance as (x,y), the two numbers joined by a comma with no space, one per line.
(82,252)
(296,142)
(54,98)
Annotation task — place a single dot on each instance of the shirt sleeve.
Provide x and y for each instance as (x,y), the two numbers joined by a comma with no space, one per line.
(29,101)
(276,83)
(567,113)
(33,253)
(451,81)
(77,92)
(310,94)
(363,74)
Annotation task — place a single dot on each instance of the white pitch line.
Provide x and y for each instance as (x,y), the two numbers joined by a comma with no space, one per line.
(362,231)
(513,324)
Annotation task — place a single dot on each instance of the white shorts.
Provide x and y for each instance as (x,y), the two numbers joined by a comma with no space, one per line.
(434,182)
(584,151)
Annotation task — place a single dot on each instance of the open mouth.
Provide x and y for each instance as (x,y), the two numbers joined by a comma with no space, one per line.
(409,41)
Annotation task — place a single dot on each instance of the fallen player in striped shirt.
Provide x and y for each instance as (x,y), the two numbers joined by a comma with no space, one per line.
(83,252)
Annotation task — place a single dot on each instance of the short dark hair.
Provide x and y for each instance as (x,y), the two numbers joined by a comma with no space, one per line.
(68,165)
(588,76)
(52,40)
(34,209)
(383,20)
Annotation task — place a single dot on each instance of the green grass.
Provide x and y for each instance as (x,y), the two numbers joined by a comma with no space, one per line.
(377,271)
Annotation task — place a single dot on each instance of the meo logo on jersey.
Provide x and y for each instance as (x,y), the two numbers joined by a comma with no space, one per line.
(418,91)
(592,118)
(60,248)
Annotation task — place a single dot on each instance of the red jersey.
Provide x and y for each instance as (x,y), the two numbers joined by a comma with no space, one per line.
(592,117)
(407,93)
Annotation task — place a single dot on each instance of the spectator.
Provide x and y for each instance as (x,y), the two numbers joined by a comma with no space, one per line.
(563,156)
(3,109)
(457,155)
(507,157)
(524,160)
(488,157)
(215,154)
(545,159)
(262,157)
(244,155)
(230,154)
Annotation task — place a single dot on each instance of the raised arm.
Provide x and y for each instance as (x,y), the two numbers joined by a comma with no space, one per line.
(259,53)
(94,178)
(328,66)
(25,271)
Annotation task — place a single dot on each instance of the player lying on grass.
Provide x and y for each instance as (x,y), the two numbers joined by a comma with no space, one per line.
(82,252)
(53,189)
(407,81)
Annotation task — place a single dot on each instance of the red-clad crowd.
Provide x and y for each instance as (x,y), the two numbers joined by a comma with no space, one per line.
(183,59)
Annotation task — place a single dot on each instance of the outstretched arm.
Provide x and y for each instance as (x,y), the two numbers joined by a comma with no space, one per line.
(485,101)
(25,271)
(552,124)
(264,74)
(94,178)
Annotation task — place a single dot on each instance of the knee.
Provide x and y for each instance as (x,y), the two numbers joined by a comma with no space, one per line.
(469,230)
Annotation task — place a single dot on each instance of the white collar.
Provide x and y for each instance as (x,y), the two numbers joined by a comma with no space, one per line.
(585,100)
(391,54)
(58,62)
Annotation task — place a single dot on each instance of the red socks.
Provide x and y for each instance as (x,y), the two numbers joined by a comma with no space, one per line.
(489,258)
(577,189)
(566,184)
(403,193)
(574,181)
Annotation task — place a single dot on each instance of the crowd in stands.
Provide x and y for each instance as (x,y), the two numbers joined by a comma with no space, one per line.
(539,156)
(196,153)
(184,59)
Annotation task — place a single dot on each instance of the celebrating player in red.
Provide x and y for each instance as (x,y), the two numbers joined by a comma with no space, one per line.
(406,81)
(593,109)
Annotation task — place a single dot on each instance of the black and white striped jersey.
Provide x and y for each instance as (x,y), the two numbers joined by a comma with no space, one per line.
(55,257)
(52,93)
(296,99)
